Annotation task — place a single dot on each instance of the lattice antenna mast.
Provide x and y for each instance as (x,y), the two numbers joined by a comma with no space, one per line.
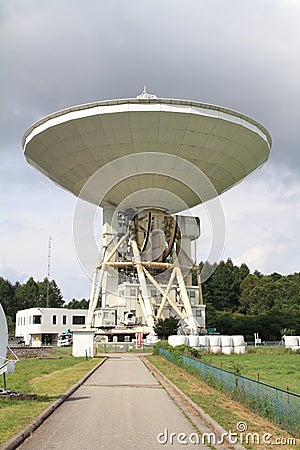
(49,270)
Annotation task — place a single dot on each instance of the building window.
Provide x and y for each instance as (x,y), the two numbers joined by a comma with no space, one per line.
(54,320)
(37,320)
(64,320)
(192,294)
(198,313)
(132,292)
(78,320)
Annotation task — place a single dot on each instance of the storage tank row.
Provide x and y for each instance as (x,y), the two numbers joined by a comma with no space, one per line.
(212,343)
(292,342)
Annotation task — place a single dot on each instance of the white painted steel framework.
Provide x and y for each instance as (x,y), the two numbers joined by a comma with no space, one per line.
(148,257)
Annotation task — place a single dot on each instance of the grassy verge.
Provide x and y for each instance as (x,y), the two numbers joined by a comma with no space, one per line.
(274,366)
(48,378)
(225,411)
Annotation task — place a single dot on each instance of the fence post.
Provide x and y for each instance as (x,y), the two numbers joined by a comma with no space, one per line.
(258,396)
(278,406)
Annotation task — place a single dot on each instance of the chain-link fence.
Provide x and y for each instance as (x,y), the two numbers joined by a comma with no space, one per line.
(279,406)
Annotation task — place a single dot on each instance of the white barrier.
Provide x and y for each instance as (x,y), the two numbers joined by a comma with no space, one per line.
(214,343)
(238,340)
(215,349)
(177,340)
(203,343)
(193,341)
(292,342)
(226,344)
(239,349)
(226,341)
(227,350)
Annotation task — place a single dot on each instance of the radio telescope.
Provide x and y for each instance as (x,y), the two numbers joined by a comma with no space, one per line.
(143,160)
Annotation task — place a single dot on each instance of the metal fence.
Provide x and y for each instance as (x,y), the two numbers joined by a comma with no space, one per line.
(120,347)
(279,406)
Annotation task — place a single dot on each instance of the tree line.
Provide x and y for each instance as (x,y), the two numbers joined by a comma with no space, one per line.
(237,302)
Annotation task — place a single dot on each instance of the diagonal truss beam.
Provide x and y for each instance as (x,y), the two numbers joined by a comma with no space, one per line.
(97,283)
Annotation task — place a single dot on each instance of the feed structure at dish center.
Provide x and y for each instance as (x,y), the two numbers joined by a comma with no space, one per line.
(143,160)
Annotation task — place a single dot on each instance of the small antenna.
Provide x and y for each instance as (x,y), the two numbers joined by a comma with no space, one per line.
(146,95)
(49,270)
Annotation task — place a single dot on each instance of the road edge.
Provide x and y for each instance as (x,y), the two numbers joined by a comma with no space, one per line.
(209,421)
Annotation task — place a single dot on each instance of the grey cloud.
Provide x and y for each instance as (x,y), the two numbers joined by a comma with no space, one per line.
(242,55)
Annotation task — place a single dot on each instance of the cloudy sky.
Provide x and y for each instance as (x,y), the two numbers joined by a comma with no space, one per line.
(243,55)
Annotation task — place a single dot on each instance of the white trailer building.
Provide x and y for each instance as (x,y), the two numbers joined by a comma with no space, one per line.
(41,326)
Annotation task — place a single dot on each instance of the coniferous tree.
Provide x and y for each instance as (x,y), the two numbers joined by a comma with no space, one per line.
(77,304)
(7,298)
(166,327)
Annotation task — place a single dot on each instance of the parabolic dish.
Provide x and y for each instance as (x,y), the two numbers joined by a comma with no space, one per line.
(147,145)
(3,336)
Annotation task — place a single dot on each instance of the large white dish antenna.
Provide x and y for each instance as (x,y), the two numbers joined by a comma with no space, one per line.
(3,337)
(130,142)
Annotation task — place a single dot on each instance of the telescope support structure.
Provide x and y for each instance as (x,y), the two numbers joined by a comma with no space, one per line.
(130,253)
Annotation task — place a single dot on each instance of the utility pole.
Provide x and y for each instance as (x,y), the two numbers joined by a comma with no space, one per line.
(49,270)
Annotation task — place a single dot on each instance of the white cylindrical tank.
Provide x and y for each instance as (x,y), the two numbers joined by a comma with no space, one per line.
(176,339)
(193,341)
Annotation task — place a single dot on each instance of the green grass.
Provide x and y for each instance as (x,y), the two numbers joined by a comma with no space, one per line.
(275,366)
(218,405)
(48,378)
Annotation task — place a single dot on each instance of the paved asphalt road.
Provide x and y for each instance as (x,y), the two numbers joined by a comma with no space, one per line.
(120,407)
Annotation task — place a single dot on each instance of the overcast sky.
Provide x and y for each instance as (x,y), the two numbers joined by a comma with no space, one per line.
(243,55)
